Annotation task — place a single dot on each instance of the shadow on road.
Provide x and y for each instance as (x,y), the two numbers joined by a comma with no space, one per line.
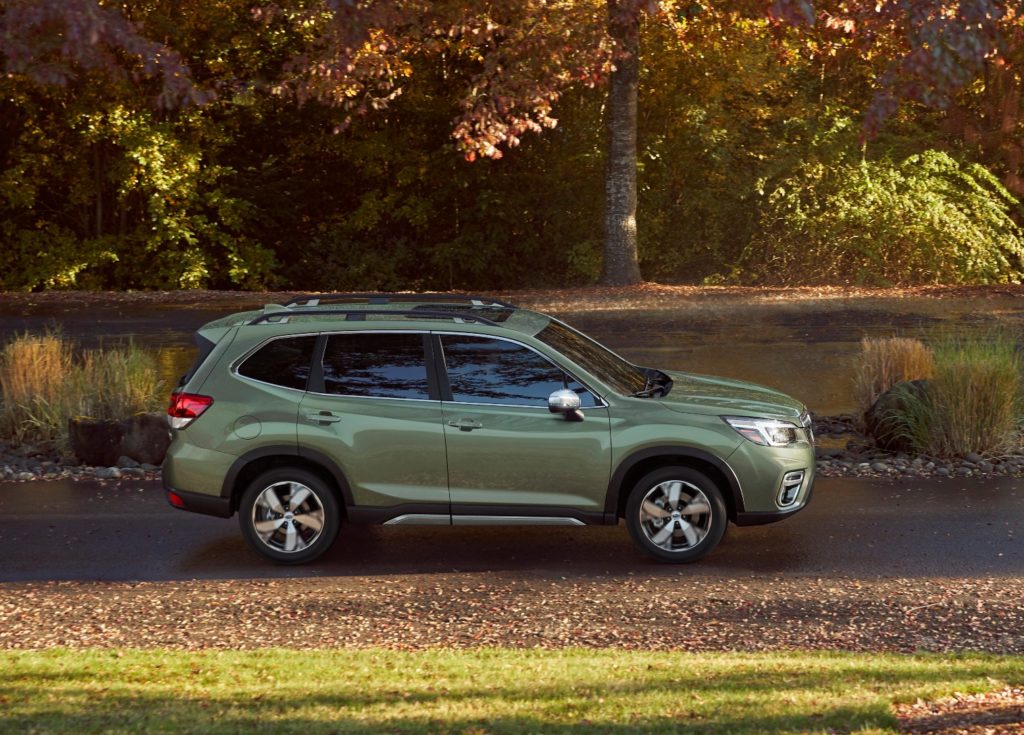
(853,528)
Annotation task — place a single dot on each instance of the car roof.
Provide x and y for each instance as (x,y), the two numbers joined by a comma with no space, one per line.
(364,312)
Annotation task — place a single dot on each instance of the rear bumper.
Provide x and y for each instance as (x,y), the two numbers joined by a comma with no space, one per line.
(211,505)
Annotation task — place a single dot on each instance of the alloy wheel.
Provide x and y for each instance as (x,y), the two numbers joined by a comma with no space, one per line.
(675,515)
(288,516)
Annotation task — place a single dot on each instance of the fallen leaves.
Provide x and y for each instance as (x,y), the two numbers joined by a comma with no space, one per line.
(465,610)
(990,713)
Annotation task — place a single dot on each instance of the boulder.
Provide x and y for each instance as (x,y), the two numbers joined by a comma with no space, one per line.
(885,421)
(143,438)
(95,442)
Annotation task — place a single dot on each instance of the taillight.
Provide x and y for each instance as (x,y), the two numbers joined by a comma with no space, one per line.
(186,408)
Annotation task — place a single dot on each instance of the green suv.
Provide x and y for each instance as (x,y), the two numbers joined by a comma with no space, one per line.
(462,410)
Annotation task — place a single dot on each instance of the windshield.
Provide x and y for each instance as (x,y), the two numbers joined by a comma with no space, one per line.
(622,376)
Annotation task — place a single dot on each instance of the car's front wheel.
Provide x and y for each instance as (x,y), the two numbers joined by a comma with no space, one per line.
(289,515)
(676,514)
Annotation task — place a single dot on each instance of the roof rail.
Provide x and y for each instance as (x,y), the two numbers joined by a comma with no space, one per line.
(382,297)
(361,314)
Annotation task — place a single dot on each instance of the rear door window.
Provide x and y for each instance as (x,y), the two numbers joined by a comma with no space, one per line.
(284,362)
(376,365)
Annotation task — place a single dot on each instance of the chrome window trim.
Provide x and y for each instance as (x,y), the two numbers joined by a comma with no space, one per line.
(601,402)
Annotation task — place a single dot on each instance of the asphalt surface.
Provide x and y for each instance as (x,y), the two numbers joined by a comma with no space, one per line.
(853,529)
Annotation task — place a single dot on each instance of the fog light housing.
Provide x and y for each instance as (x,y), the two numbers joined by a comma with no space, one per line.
(790,490)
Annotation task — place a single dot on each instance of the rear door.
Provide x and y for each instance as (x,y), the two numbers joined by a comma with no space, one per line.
(373,407)
(506,451)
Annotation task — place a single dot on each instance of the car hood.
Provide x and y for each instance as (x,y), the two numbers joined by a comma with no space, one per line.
(704,394)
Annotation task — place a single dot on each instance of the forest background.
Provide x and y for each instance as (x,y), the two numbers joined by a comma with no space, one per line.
(226,144)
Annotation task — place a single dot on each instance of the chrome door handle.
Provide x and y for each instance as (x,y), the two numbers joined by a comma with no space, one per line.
(465,424)
(324,417)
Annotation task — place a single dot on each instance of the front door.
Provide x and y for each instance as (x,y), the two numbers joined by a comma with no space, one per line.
(505,449)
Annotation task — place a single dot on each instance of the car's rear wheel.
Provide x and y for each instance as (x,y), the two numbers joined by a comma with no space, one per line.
(289,515)
(676,514)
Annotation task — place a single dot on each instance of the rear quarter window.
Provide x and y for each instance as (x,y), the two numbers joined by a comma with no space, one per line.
(284,362)
(204,348)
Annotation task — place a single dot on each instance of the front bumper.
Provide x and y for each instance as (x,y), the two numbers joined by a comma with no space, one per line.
(759,518)
(761,472)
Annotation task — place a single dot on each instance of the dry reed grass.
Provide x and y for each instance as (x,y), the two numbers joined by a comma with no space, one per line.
(884,362)
(42,385)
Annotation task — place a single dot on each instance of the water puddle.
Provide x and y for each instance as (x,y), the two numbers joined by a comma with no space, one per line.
(802,347)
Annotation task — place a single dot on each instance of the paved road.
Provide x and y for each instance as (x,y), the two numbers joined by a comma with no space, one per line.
(853,528)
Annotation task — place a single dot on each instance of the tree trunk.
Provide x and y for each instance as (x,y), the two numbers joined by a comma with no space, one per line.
(621,267)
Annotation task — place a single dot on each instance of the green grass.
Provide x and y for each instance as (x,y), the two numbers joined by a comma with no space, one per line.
(478,691)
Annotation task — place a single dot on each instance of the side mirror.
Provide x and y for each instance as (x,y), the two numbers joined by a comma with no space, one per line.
(567,403)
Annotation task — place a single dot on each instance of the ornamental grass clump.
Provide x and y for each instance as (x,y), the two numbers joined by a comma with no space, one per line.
(131,375)
(34,373)
(885,362)
(43,384)
(973,402)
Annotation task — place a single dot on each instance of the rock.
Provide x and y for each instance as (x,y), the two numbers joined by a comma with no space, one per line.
(127,463)
(885,421)
(929,466)
(150,467)
(108,473)
(963,472)
(986,466)
(879,467)
(969,465)
(136,472)
(830,452)
(95,441)
(26,476)
(974,458)
(146,437)
(141,438)
(944,471)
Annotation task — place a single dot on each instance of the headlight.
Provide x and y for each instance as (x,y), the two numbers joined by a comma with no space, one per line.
(767,432)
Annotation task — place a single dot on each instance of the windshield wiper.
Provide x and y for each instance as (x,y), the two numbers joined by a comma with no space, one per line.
(652,388)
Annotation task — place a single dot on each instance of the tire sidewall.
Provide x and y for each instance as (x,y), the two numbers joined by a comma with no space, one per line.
(328,501)
(719,517)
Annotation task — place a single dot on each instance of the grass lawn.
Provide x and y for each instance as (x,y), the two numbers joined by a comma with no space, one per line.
(478,691)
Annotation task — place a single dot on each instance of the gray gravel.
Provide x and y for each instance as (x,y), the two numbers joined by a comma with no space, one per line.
(27,463)
(855,456)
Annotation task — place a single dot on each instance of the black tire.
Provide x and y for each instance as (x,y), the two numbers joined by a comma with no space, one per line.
(693,534)
(282,526)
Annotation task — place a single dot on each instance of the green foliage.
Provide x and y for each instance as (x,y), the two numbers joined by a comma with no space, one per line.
(973,403)
(751,170)
(925,219)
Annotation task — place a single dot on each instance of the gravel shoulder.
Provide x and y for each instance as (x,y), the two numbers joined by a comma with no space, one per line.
(688,613)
